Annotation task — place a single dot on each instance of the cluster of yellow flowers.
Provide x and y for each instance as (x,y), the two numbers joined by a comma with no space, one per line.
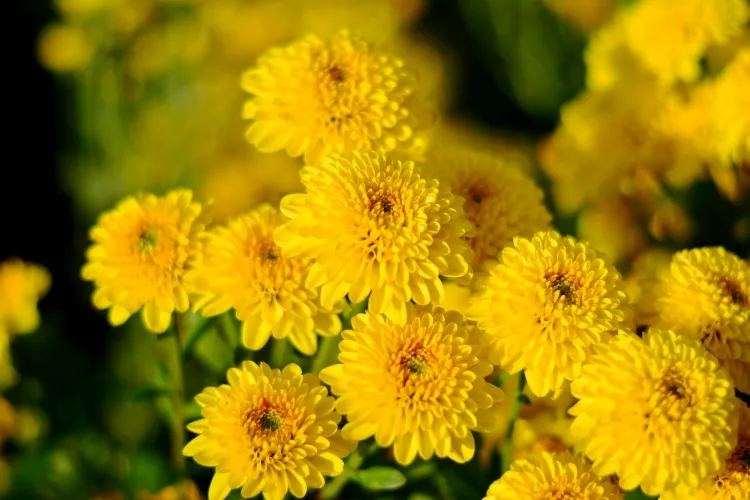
(393,215)
(665,105)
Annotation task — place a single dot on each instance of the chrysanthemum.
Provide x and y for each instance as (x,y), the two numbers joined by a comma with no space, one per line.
(670,36)
(375,224)
(547,476)
(705,294)
(659,412)
(21,287)
(418,387)
(317,97)
(546,302)
(140,254)
(500,200)
(733,482)
(268,432)
(242,268)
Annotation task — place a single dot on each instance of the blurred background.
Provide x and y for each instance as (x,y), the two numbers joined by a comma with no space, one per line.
(111,97)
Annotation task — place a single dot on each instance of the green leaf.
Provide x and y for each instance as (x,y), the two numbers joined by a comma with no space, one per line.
(637,495)
(380,478)
(148,394)
(200,328)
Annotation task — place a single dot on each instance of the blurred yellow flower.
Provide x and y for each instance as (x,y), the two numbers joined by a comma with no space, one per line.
(671,36)
(733,482)
(187,490)
(642,276)
(269,432)
(659,412)
(241,183)
(499,200)
(419,387)
(140,254)
(587,15)
(375,224)
(22,285)
(7,372)
(611,227)
(242,268)
(64,48)
(456,297)
(705,294)
(545,304)
(7,420)
(547,476)
(318,97)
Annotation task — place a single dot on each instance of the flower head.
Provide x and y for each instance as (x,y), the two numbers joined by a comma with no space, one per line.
(544,304)
(140,254)
(500,200)
(21,287)
(548,476)
(317,97)
(375,224)
(705,294)
(419,386)
(659,412)
(243,268)
(269,432)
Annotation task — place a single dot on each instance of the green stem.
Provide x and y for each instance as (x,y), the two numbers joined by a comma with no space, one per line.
(278,353)
(327,353)
(203,325)
(515,408)
(177,376)
(333,488)
(230,329)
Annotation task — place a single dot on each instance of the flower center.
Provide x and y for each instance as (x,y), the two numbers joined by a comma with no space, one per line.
(270,421)
(673,395)
(560,489)
(148,239)
(336,73)
(563,288)
(417,364)
(384,203)
(733,291)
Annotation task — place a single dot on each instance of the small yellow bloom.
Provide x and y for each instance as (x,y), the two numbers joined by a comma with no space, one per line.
(140,254)
(419,387)
(242,268)
(64,48)
(545,304)
(547,476)
(658,412)
(268,432)
(705,294)
(318,97)
(499,200)
(187,490)
(376,226)
(21,287)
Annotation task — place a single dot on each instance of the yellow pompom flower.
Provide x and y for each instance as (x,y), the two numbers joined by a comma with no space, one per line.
(419,387)
(242,268)
(21,287)
(376,226)
(499,200)
(704,294)
(141,252)
(547,476)
(733,482)
(671,36)
(268,431)
(659,412)
(317,97)
(544,304)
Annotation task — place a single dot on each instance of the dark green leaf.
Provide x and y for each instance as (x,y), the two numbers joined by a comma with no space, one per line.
(380,478)
(148,394)
(200,328)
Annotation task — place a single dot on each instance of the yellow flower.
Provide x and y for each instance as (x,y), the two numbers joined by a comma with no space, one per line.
(375,224)
(317,97)
(547,476)
(456,297)
(671,36)
(269,432)
(658,412)
(544,304)
(611,227)
(733,482)
(64,48)
(418,387)
(242,268)
(140,254)
(731,123)
(187,490)
(499,200)
(641,277)
(705,294)
(21,287)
